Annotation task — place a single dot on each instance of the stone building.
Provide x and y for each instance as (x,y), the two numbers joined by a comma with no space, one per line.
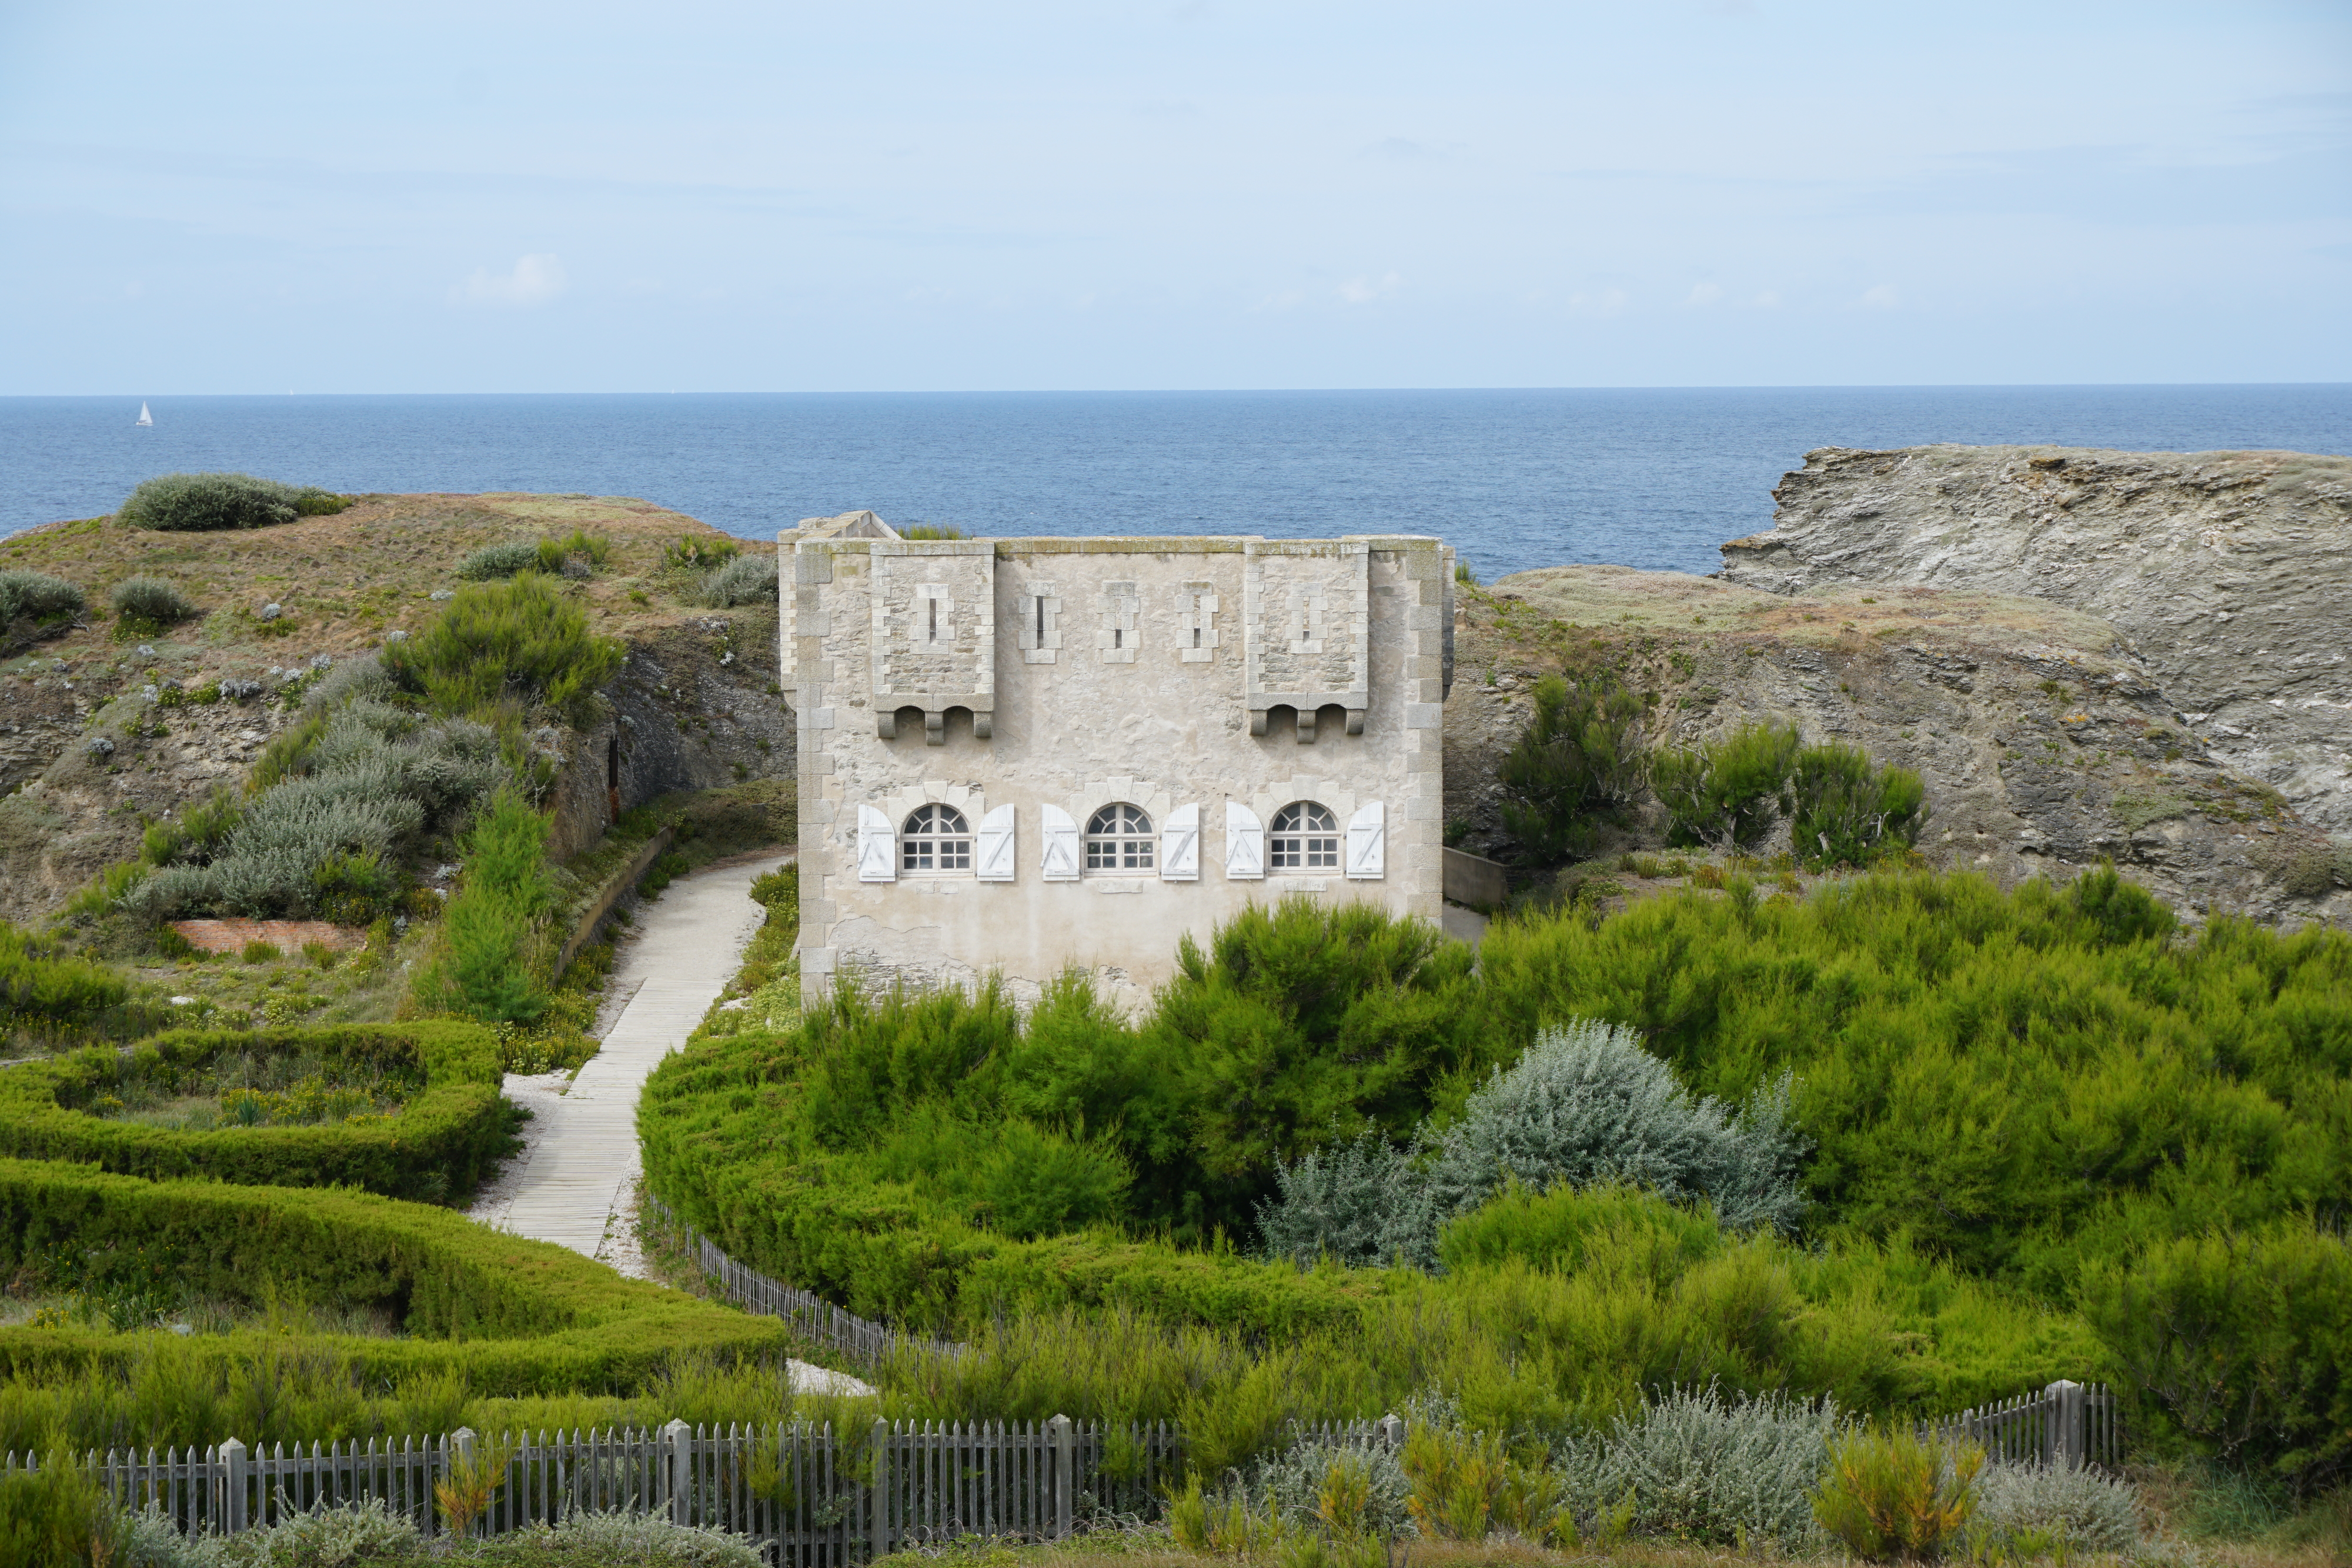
(1018,754)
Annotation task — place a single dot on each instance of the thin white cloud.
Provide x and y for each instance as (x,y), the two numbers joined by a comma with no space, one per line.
(535,280)
(1704,294)
(1882,298)
(1607,302)
(1365,291)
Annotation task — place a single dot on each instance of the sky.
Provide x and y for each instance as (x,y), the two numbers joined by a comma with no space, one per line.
(426,196)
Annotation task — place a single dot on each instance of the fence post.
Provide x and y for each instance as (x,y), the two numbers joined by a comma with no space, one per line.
(885,1493)
(1064,1474)
(456,1449)
(2063,1433)
(232,1472)
(677,1443)
(1393,1432)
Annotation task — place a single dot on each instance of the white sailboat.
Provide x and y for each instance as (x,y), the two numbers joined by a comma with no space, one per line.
(144,417)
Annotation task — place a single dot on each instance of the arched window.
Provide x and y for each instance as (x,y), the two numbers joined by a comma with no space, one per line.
(1306,837)
(1118,838)
(937,839)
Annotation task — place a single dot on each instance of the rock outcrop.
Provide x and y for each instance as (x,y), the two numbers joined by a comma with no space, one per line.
(2229,575)
(2044,742)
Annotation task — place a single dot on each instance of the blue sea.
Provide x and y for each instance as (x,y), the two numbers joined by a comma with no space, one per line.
(1653,478)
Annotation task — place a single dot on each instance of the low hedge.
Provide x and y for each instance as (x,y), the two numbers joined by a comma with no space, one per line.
(508,1316)
(445,1139)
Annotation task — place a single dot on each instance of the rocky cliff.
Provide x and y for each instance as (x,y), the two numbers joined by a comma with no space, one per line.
(2228,574)
(2053,729)
(100,734)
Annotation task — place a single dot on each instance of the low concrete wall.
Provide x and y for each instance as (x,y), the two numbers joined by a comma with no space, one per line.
(1475,881)
(617,887)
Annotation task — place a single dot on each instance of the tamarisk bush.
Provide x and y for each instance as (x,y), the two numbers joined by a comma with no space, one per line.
(1580,754)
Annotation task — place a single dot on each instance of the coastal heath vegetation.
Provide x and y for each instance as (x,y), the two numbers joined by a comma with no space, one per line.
(203,502)
(37,600)
(2012,1111)
(147,606)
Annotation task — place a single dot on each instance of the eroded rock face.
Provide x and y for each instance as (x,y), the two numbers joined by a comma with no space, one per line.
(2044,742)
(2228,573)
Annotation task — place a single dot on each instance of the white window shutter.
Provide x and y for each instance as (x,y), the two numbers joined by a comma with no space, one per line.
(1180,845)
(1061,844)
(1367,843)
(877,847)
(1244,844)
(993,863)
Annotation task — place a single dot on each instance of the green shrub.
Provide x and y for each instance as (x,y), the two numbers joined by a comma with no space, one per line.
(1348,1203)
(500,560)
(348,796)
(40,983)
(1846,811)
(584,1539)
(520,639)
(2078,1511)
(932,531)
(745,579)
(2239,1342)
(1893,1496)
(1727,793)
(58,1516)
(576,554)
(2021,1081)
(1587,1104)
(1581,753)
(1702,1466)
(146,605)
(442,1142)
(200,502)
(485,1315)
(37,596)
(1339,1017)
(491,970)
(700,553)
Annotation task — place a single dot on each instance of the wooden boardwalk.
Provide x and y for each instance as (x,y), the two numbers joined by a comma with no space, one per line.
(575,1189)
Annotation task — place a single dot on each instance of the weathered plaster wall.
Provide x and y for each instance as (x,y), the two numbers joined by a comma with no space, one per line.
(1139,688)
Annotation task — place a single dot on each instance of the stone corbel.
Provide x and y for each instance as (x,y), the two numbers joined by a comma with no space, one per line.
(935,722)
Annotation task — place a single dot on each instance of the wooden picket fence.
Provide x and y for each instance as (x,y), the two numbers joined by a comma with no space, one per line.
(2066,1424)
(809,1497)
(810,1316)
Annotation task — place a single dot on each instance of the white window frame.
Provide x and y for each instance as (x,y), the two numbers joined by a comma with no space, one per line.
(937,834)
(1298,844)
(1121,841)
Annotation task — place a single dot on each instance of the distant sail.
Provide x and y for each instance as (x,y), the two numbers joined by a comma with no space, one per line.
(144,417)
